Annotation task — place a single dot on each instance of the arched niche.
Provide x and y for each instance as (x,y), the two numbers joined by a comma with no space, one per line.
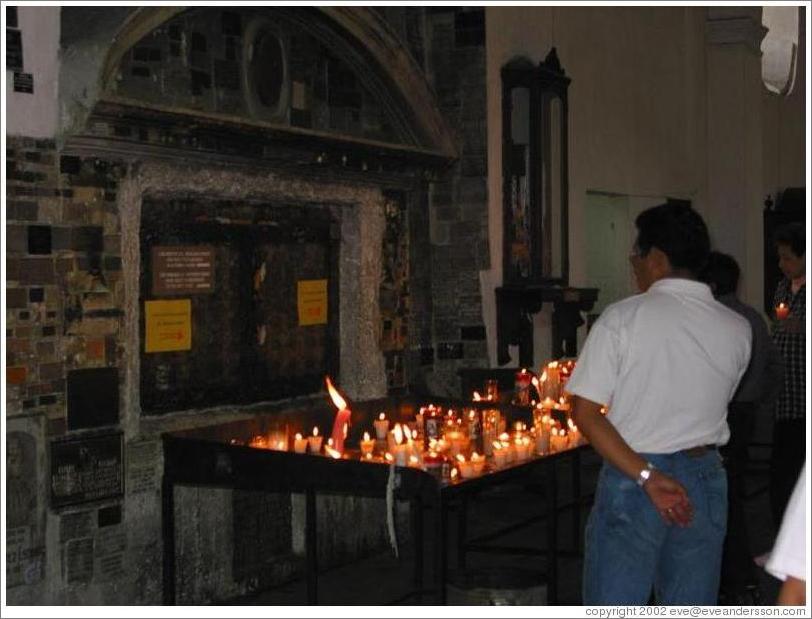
(157,56)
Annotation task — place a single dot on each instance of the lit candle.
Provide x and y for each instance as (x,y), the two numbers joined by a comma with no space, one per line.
(499,454)
(455,440)
(341,424)
(465,468)
(299,443)
(433,463)
(478,462)
(522,383)
(524,447)
(782,311)
(399,449)
(367,444)
(574,434)
(381,426)
(558,439)
(314,442)
(543,438)
(553,384)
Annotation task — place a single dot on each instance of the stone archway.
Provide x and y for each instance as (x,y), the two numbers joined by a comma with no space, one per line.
(361,26)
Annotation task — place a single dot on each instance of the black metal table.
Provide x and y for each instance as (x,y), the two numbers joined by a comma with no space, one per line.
(208,459)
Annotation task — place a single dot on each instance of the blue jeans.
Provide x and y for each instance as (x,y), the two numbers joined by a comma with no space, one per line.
(631,551)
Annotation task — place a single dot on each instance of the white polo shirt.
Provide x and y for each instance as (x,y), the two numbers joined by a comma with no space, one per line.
(667,362)
(788,557)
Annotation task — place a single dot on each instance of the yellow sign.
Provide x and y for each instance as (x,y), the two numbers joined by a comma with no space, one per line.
(169,325)
(312,302)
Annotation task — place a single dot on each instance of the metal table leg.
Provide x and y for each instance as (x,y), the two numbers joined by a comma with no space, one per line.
(462,532)
(440,549)
(552,534)
(576,500)
(311,550)
(417,536)
(168,526)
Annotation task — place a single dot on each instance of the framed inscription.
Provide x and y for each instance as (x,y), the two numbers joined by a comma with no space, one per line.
(182,270)
(86,469)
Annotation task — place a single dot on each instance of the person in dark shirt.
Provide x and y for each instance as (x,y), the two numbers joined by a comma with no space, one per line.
(756,393)
(789,335)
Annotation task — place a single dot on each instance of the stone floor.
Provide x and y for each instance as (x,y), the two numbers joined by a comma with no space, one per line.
(383,579)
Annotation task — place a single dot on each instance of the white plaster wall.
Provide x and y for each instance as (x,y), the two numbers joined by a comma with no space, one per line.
(35,115)
(636,119)
(784,128)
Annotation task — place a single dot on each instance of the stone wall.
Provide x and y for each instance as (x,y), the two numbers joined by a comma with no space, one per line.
(459,206)
(72,287)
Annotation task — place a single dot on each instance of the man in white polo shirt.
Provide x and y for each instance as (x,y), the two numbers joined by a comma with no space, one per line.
(667,362)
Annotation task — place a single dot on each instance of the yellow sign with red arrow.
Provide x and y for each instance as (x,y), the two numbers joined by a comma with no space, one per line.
(168,325)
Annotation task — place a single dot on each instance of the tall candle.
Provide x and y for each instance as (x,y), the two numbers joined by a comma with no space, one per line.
(381,426)
(341,424)
(299,444)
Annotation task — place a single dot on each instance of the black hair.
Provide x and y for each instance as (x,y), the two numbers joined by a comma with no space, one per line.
(721,273)
(678,231)
(793,236)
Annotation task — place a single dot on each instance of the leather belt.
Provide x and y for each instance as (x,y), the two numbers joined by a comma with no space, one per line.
(698,451)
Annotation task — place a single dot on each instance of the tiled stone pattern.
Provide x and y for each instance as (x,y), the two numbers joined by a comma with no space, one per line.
(458,201)
(196,61)
(63,265)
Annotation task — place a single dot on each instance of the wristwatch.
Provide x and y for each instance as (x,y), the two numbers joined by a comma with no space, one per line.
(642,476)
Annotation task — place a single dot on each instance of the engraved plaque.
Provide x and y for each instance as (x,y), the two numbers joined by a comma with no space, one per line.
(87,469)
(184,269)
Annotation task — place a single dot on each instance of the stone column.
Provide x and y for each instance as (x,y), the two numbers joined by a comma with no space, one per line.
(734,139)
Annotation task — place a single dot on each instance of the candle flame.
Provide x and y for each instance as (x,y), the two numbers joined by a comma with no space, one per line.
(366,436)
(454,473)
(413,461)
(332,453)
(398,433)
(388,457)
(460,458)
(329,442)
(381,416)
(477,397)
(475,457)
(497,445)
(298,436)
(315,431)
(368,456)
(504,436)
(340,403)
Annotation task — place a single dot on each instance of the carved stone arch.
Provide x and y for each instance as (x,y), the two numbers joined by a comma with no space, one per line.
(361,26)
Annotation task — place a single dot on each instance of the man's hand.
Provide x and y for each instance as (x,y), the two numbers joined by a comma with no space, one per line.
(670,499)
